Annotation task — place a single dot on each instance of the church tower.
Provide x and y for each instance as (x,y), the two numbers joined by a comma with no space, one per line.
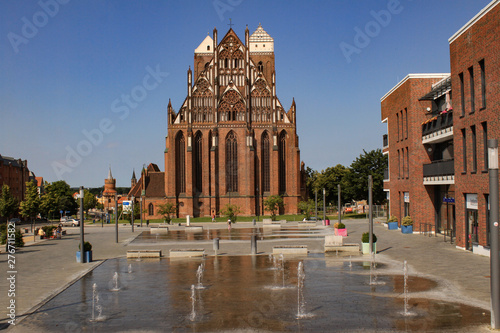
(109,192)
(232,142)
(133,181)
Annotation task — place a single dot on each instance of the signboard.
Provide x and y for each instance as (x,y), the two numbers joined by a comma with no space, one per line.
(127,206)
(406,196)
(471,200)
(449,200)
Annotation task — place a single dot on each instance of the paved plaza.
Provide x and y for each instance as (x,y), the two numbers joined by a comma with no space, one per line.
(47,267)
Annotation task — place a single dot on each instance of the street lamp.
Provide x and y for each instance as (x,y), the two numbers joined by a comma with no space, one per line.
(494,255)
(324,206)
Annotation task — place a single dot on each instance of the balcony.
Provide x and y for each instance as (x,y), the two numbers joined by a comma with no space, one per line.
(438,129)
(439,172)
(386,175)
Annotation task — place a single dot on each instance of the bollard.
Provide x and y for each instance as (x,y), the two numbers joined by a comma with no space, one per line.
(216,245)
(188,220)
(253,221)
(254,244)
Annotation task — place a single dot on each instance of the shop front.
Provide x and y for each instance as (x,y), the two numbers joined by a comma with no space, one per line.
(471,223)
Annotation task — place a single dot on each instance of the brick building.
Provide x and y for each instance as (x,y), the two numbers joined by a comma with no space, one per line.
(438,162)
(232,141)
(109,193)
(15,174)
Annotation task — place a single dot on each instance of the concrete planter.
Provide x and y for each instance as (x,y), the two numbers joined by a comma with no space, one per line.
(407,229)
(341,232)
(366,248)
(88,256)
(392,225)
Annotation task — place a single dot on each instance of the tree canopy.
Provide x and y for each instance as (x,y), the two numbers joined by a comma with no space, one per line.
(9,205)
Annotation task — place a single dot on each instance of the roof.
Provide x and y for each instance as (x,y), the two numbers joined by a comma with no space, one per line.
(415,76)
(155,185)
(12,161)
(202,48)
(438,89)
(260,35)
(473,21)
(39,181)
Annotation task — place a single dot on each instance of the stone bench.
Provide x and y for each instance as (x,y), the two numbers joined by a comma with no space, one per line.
(336,244)
(143,253)
(290,249)
(159,229)
(178,253)
(307,223)
(194,229)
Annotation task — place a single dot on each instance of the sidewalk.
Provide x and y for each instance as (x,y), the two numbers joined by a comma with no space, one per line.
(47,267)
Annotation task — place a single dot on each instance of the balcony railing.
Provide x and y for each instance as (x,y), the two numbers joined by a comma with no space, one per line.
(437,123)
(386,174)
(385,139)
(439,168)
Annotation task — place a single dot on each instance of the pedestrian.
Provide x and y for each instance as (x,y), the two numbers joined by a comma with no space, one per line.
(228,224)
(213,217)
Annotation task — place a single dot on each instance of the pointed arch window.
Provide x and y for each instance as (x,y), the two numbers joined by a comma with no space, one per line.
(198,162)
(260,67)
(180,164)
(151,209)
(282,162)
(231,163)
(265,158)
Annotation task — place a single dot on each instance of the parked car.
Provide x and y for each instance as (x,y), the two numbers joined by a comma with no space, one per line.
(348,208)
(70,222)
(15,220)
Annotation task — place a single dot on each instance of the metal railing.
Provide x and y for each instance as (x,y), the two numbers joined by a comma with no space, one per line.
(439,122)
(439,168)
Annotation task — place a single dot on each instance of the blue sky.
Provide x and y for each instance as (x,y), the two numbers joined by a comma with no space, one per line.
(66,65)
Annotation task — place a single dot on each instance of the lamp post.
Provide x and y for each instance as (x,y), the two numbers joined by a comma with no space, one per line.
(370,214)
(258,203)
(494,255)
(132,214)
(116,217)
(338,204)
(316,205)
(82,238)
(141,211)
(324,206)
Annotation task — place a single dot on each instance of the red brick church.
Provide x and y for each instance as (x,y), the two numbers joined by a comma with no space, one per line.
(231,141)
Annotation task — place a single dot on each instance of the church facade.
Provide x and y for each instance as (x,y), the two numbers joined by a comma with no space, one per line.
(232,141)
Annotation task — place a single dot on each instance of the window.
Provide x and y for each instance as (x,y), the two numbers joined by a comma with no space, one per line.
(402,128)
(403,163)
(397,119)
(208,47)
(180,166)
(407,164)
(399,164)
(260,67)
(474,150)
(485,146)
(231,163)
(462,93)
(282,162)
(406,122)
(483,83)
(464,151)
(198,162)
(151,209)
(471,84)
(265,152)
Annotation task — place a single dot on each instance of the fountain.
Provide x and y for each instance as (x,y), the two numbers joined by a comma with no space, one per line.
(300,292)
(199,276)
(192,316)
(373,273)
(115,282)
(405,291)
(96,307)
(350,261)
(129,268)
(139,256)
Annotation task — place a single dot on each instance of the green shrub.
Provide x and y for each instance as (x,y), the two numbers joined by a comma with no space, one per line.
(407,221)
(392,219)
(18,240)
(340,225)
(366,238)
(49,230)
(86,247)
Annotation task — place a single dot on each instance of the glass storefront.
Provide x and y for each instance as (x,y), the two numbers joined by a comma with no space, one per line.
(471,225)
(445,210)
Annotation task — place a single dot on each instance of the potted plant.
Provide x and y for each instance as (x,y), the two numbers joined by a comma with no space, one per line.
(407,225)
(365,240)
(340,229)
(392,223)
(87,250)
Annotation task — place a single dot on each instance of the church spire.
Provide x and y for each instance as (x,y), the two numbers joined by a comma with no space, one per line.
(110,176)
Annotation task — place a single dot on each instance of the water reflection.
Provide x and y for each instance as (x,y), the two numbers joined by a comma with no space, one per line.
(158,296)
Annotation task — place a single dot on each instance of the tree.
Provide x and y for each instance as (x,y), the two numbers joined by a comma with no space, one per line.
(30,206)
(355,182)
(63,197)
(166,210)
(48,205)
(306,208)
(231,211)
(9,205)
(89,201)
(329,179)
(273,203)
